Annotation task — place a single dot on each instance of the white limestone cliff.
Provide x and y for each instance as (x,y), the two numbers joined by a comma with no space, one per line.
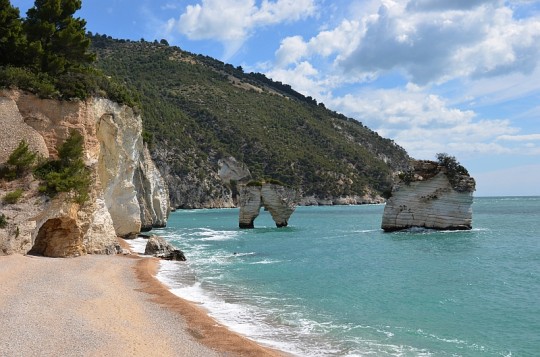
(231,169)
(127,192)
(278,200)
(430,198)
(250,204)
(152,193)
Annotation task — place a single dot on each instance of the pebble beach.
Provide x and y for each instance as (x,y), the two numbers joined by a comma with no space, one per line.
(99,305)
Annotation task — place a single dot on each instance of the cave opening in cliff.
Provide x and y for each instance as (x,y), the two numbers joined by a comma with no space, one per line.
(57,238)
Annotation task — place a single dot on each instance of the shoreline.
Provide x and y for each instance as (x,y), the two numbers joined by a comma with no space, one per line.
(201,326)
(104,305)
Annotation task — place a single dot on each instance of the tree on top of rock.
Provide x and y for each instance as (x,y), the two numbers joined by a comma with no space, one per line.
(12,39)
(57,37)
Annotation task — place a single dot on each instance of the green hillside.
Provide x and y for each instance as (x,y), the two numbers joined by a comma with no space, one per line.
(197,110)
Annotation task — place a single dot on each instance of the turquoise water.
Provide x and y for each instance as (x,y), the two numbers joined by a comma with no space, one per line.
(333,284)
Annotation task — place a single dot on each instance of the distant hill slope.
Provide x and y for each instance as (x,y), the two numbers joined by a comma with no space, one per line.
(197,110)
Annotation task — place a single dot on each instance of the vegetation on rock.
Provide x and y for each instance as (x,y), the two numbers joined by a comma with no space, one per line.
(455,171)
(56,37)
(47,53)
(19,163)
(3,221)
(457,175)
(68,173)
(13,196)
(197,110)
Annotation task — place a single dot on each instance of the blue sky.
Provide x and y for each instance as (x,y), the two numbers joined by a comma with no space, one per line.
(454,76)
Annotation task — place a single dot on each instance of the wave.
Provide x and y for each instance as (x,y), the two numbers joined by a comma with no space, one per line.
(137,245)
(266,261)
(213,235)
(276,321)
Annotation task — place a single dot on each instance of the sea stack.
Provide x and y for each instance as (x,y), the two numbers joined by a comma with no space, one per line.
(434,195)
(277,199)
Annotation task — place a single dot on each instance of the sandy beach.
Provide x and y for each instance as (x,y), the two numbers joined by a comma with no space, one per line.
(104,306)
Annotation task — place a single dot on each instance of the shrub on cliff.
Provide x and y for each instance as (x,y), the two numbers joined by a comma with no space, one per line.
(19,163)
(68,173)
(274,181)
(13,196)
(453,167)
(23,78)
(3,221)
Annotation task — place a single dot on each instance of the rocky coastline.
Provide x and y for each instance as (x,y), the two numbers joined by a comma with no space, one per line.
(127,193)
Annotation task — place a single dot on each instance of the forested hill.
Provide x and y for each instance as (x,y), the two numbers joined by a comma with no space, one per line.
(197,110)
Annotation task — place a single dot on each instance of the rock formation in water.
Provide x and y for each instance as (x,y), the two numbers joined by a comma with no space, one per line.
(430,196)
(278,200)
(127,193)
(160,248)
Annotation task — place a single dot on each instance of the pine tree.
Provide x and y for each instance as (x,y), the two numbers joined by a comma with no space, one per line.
(12,39)
(22,159)
(57,37)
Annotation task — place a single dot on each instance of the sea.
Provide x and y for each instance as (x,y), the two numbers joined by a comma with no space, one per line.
(333,283)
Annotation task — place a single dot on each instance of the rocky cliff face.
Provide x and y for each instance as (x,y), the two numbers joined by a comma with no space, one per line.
(431,197)
(127,193)
(278,200)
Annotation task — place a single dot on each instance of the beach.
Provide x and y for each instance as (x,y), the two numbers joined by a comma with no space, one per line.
(98,305)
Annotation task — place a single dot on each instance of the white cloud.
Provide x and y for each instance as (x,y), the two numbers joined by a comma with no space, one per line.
(340,41)
(304,76)
(526,137)
(438,5)
(169,6)
(499,89)
(478,39)
(231,22)
(424,124)
(291,50)
(477,46)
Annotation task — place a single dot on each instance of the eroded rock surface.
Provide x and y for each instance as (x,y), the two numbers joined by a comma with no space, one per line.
(231,169)
(250,203)
(278,200)
(127,193)
(429,197)
(159,247)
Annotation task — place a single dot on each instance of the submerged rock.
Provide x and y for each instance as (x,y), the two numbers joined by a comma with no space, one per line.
(430,196)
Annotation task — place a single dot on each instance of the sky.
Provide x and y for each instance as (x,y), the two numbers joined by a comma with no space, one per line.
(437,76)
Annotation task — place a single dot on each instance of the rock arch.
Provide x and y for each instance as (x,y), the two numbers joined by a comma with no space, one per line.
(278,200)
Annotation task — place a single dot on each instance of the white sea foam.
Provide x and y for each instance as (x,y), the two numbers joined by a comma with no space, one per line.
(266,261)
(212,235)
(244,254)
(137,245)
(272,326)
(241,317)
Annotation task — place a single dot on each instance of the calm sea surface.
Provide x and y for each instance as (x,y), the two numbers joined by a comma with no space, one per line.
(333,284)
